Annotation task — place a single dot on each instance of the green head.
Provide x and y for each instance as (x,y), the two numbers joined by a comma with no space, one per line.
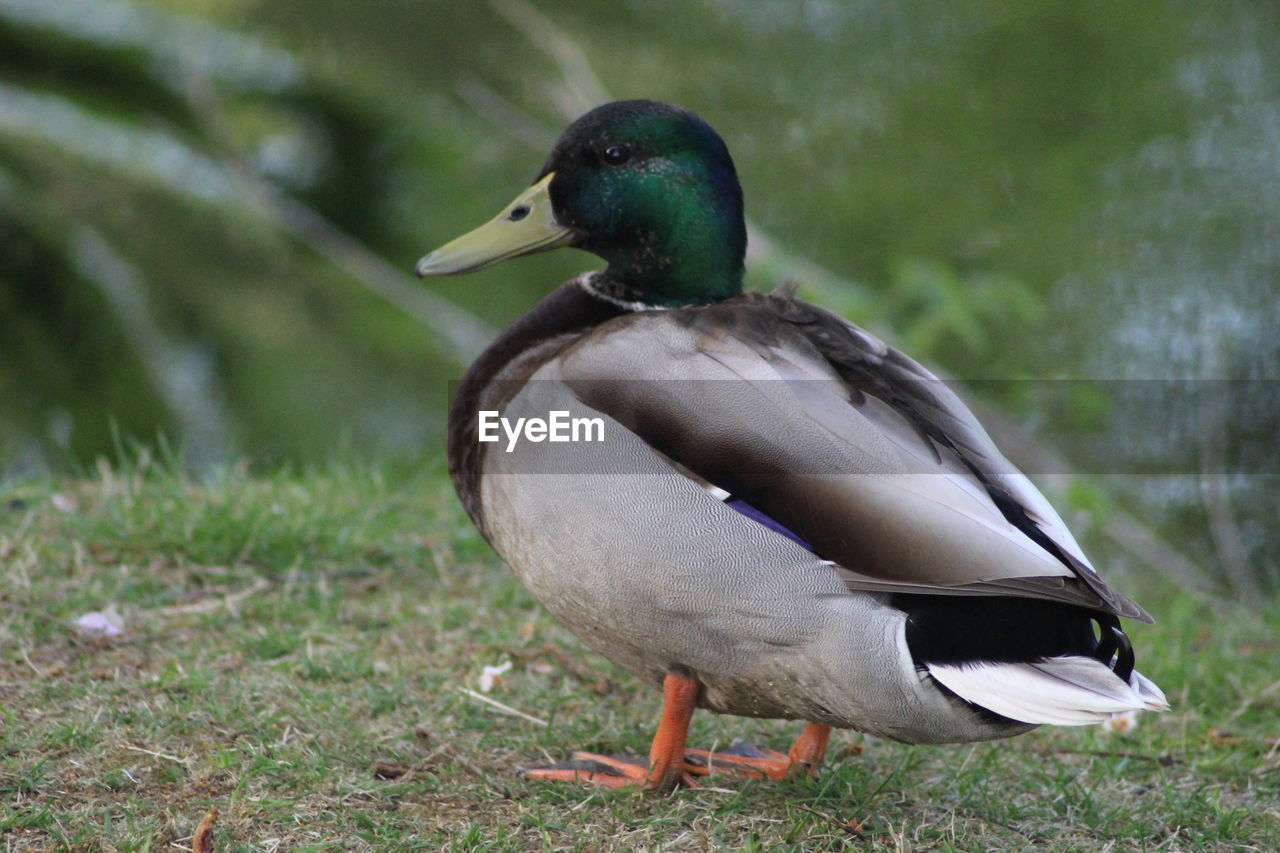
(648,187)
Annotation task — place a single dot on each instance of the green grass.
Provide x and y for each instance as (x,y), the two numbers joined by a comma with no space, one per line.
(285,635)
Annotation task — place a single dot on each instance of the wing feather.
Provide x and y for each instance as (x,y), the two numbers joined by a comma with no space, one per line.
(845,441)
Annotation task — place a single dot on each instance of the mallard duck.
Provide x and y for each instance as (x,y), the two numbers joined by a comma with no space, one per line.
(776,514)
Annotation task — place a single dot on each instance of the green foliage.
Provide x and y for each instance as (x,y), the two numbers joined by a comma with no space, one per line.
(939,312)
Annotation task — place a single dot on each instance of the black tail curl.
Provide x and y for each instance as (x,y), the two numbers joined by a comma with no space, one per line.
(1114,649)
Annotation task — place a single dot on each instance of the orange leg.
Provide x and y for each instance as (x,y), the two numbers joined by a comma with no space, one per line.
(810,748)
(666,768)
(666,756)
(671,765)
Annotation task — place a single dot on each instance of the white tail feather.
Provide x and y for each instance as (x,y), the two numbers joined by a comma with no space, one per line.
(1066,691)
(1153,696)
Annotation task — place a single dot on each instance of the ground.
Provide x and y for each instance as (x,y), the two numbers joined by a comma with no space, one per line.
(305,651)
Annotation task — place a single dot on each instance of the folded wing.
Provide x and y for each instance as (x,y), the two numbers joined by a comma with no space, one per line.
(855,448)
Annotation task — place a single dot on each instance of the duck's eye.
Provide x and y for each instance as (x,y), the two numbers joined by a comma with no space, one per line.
(616,155)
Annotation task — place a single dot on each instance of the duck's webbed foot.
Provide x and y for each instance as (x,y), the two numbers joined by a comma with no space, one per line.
(671,766)
(751,761)
(610,771)
(665,769)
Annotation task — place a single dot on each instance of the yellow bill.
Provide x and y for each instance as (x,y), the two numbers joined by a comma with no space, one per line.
(526,225)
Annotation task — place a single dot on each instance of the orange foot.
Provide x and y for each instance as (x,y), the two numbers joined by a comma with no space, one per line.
(609,771)
(756,762)
(670,765)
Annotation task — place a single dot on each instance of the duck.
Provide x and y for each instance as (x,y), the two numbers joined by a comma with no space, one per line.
(768,512)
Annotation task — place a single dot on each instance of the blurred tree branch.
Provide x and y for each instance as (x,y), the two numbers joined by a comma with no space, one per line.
(460,335)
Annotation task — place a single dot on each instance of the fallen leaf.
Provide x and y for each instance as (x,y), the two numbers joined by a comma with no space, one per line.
(1121,723)
(97,624)
(63,502)
(202,841)
(386,768)
(491,675)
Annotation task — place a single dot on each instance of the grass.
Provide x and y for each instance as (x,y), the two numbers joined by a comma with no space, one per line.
(293,649)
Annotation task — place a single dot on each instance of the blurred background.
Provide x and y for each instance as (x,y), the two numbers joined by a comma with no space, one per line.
(209,212)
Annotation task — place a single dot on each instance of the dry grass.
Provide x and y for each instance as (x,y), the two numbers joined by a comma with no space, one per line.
(285,635)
